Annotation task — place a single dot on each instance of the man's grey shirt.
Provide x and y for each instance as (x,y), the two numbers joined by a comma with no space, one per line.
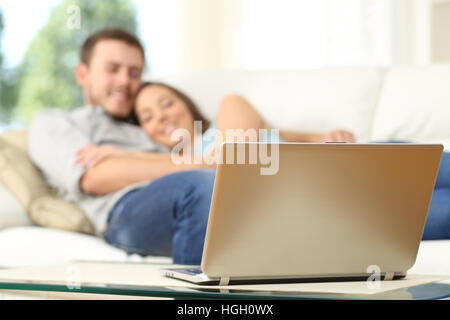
(55,136)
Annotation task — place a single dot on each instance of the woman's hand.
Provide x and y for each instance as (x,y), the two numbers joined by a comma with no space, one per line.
(338,136)
(90,155)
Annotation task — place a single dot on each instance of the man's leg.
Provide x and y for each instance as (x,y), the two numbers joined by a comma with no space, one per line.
(167,217)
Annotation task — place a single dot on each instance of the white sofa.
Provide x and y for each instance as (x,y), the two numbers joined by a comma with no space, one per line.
(375,103)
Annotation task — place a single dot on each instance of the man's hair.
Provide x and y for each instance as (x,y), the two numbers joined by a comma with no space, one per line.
(108,34)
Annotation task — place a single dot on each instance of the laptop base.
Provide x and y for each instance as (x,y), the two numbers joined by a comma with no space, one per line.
(196,276)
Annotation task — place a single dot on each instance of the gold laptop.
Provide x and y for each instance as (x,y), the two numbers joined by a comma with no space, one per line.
(328,212)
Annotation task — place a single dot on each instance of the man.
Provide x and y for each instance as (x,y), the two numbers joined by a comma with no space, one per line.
(167,216)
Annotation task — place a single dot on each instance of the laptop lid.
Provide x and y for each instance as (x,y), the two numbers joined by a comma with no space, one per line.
(323,209)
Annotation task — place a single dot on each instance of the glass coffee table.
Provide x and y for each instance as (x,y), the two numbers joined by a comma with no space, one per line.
(145,280)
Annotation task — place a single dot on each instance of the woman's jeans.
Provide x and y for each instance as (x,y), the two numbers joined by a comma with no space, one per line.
(168,217)
(438,220)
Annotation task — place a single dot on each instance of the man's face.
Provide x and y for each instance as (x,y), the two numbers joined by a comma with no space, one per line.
(112,77)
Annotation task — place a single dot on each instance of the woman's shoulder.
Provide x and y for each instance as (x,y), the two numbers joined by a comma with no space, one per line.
(212,125)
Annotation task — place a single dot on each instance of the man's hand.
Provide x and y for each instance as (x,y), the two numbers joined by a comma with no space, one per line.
(91,155)
(339,136)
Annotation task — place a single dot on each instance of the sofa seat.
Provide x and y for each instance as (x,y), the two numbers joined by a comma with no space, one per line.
(36,246)
(51,246)
(433,258)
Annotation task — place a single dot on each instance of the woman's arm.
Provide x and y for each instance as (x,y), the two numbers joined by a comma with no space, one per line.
(293,136)
(235,112)
(332,136)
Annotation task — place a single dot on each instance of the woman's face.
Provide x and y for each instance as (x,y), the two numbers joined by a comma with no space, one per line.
(160,111)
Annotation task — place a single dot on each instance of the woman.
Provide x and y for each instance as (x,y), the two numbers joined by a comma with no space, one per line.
(162,109)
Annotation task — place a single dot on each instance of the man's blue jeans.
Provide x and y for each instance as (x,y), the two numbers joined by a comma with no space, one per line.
(168,217)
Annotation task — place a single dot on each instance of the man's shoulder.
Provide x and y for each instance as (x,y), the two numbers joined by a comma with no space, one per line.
(74,113)
(54,116)
(50,113)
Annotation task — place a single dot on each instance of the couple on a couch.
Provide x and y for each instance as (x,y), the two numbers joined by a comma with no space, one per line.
(122,175)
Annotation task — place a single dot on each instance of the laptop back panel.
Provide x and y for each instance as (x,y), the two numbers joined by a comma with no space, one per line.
(331,209)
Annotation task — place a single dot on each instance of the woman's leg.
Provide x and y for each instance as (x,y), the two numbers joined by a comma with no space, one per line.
(438,219)
(443,177)
(168,217)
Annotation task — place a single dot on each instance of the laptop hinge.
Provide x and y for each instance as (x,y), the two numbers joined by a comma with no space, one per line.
(389,276)
(224,281)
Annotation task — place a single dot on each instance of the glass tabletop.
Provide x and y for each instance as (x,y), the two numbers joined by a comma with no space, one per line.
(147,280)
(434,290)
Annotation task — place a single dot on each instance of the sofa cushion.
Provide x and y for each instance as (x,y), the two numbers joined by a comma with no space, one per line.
(12,213)
(319,100)
(17,138)
(415,105)
(35,246)
(432,258)
(42,204)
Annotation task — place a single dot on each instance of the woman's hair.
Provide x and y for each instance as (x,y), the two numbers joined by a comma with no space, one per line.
(192,107)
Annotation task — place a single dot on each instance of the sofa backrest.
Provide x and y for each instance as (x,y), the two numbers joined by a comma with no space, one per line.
(313,100)
(415,105)
(377,104)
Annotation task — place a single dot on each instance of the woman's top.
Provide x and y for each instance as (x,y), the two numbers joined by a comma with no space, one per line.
(207,141)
